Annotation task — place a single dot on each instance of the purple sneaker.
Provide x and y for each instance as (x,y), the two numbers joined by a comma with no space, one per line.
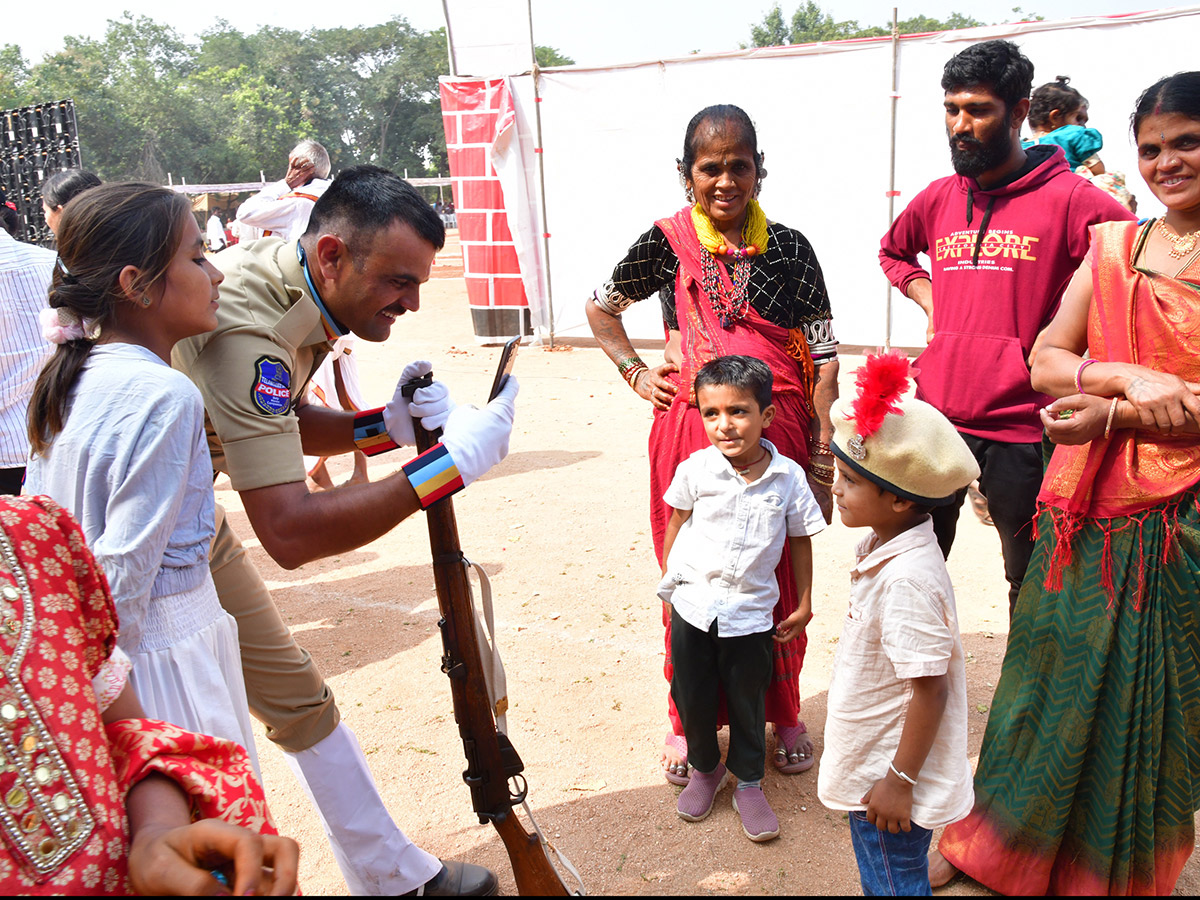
(758,820)
(696,800)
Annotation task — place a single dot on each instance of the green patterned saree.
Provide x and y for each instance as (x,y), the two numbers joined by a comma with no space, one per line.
(1089,775)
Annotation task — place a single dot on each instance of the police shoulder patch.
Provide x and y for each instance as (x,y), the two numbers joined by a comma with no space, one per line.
(272,392)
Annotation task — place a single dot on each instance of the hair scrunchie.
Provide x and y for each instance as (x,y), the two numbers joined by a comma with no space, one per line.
(56,330)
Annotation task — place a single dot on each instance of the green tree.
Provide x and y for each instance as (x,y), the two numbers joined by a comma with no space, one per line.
(551,56)
(810,23)
(148,102)
(923,24)
(247,120)
(772,32)
(14,73)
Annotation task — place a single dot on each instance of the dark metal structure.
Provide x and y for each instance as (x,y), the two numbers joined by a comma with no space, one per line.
(35,142)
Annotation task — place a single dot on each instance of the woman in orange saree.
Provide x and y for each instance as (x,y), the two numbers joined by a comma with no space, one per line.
(730,283)
(1089,775)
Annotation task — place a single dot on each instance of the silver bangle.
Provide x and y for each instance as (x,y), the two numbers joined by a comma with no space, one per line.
(901,775)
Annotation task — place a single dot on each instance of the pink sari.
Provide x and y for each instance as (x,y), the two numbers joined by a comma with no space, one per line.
(678,432)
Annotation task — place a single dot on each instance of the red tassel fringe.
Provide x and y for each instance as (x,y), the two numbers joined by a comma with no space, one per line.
(1066,525)
(1106,569)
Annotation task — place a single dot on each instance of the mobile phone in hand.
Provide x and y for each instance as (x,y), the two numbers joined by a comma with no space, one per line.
(507,355)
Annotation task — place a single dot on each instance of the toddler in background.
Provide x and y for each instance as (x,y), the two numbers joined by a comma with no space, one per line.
(896,733)
(1058,114)
(733,506)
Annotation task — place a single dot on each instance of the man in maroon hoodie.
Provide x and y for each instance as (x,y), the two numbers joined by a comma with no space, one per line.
(1003,235)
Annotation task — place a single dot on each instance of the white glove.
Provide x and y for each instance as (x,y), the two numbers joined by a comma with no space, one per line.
(432,405)
(477,439)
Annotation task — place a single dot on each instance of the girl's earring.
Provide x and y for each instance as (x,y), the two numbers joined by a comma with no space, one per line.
(691,196)
(146,301)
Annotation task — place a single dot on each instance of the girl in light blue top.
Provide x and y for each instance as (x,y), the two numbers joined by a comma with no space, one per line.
(118,439)
(1058,114)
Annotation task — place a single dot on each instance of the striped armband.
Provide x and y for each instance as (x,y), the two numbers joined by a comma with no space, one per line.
(370,432)
(433,475)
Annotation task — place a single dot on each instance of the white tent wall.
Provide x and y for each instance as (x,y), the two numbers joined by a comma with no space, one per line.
(491,36)
(612,136)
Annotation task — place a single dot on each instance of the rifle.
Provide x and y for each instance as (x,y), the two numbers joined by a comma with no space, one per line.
(491,758)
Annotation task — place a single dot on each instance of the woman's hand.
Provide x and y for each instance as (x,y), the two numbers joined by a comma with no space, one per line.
(823,494)
(1161,400)
(654,385)
(1076,419)
(180,861)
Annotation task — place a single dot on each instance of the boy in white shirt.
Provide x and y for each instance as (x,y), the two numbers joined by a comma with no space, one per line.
(896,734)
(734,506)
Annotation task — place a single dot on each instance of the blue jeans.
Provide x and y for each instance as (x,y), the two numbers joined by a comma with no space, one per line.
(891,865)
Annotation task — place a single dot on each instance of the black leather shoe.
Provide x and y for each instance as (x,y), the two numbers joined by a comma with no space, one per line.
(459,879)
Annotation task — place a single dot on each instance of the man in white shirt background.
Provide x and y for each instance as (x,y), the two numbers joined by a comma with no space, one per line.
(215,233)
(25,271)
(283,207)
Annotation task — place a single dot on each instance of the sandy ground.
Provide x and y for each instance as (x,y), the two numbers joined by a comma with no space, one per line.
(561,526)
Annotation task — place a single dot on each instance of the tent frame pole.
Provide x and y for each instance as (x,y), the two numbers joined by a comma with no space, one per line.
(541,157)
(449,40)
(891,193)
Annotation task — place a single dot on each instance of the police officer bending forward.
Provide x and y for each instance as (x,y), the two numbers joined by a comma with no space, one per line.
(369,246)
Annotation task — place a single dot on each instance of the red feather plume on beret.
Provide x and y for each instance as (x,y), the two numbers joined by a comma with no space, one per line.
(881,383)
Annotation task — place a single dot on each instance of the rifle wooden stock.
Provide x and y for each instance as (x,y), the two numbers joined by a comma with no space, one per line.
(491,759)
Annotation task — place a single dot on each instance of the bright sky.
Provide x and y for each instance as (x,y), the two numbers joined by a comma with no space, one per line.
(592,33)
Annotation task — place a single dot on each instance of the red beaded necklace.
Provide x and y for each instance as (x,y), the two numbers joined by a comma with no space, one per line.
(730,306)
(744,471)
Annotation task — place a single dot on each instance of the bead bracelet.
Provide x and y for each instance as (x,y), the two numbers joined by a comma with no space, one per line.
(629,362)
(822,475)
(630,374)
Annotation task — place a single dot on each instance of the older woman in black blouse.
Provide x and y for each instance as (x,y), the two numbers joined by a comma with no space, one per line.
(729,282)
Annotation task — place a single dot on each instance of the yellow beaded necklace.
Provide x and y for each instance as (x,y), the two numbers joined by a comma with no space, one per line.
(754,232)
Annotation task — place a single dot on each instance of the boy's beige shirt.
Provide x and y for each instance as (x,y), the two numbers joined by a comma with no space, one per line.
(901,624)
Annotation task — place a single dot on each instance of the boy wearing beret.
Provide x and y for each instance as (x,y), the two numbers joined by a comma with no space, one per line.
(896,734)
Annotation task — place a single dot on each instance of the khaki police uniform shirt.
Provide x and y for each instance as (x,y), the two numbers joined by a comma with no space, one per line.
(253,368)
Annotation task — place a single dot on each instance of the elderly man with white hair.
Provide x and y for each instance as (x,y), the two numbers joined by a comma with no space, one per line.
(283,207)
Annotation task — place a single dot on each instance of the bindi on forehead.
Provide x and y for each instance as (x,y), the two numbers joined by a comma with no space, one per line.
(1152,132)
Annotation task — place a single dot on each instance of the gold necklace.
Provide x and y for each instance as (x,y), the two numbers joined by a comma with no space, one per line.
(1181,244)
